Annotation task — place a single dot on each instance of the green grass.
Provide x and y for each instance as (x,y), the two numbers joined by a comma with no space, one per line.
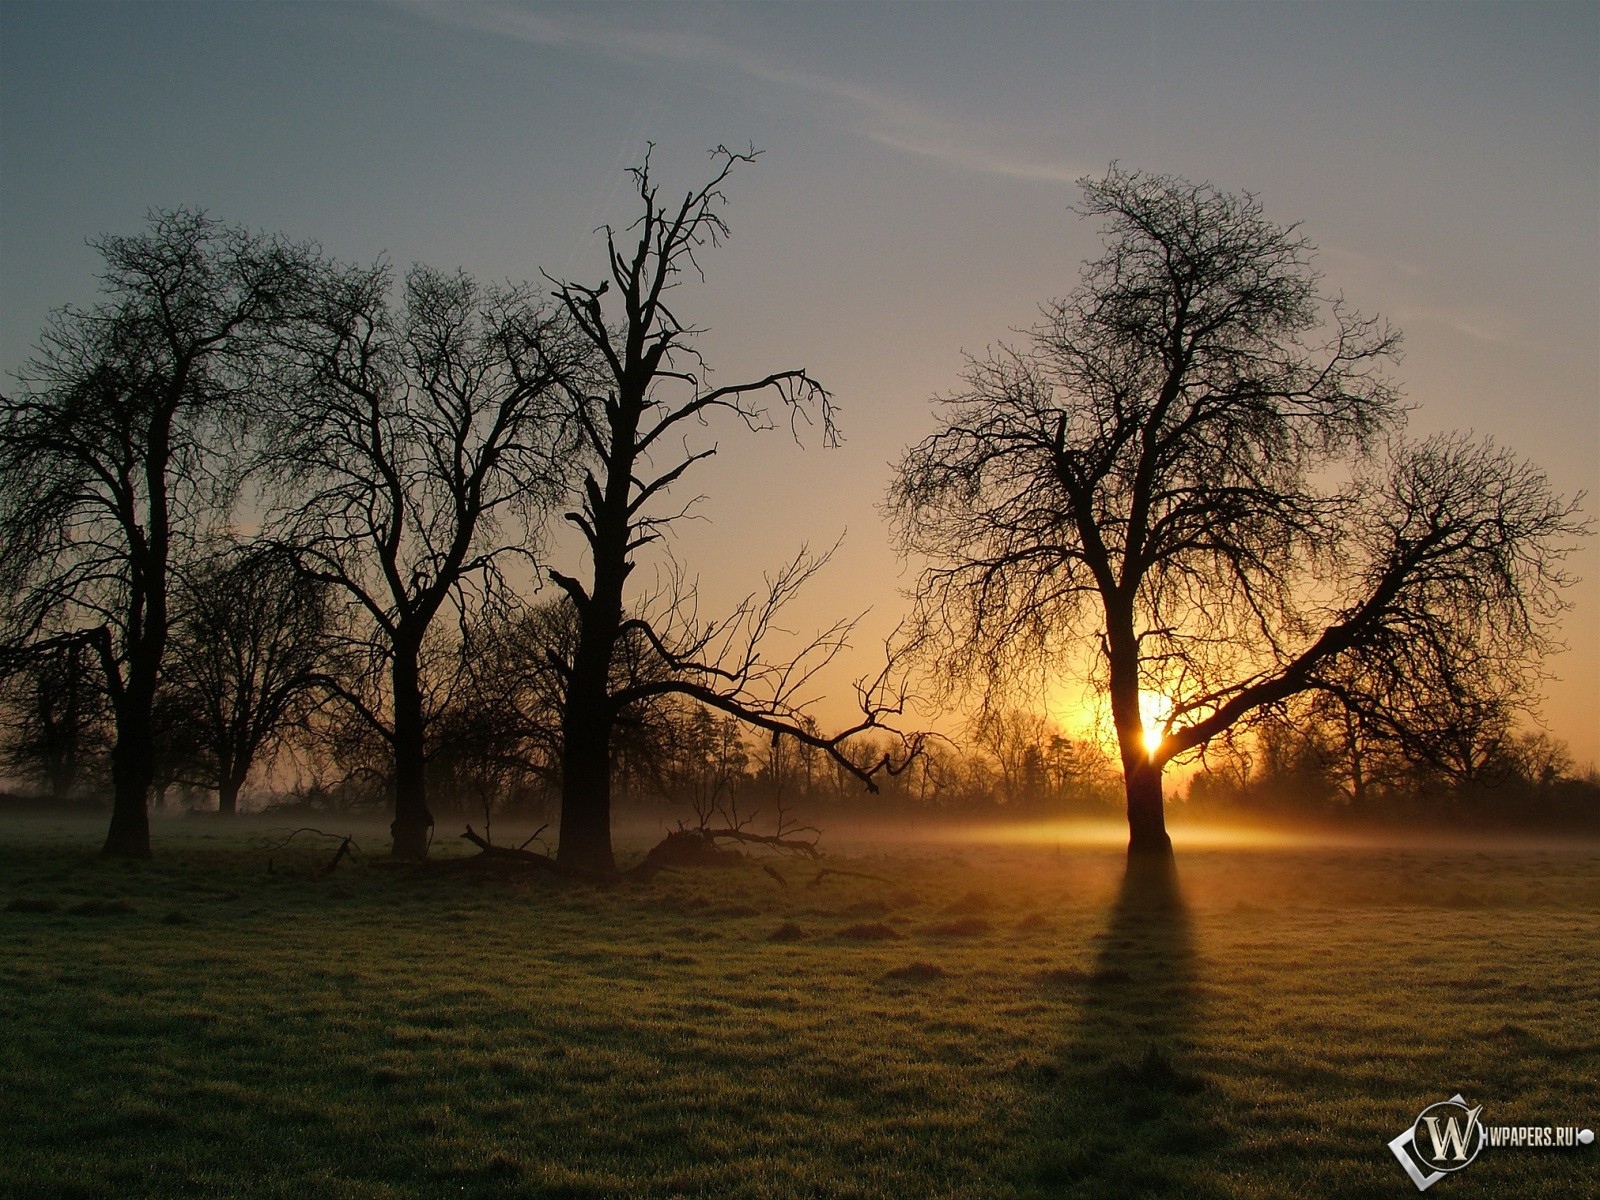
(198,1026)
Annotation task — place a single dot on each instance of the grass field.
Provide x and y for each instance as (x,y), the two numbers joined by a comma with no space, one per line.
(994,1021)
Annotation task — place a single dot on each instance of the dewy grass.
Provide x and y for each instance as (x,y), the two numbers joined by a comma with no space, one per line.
(198,1026)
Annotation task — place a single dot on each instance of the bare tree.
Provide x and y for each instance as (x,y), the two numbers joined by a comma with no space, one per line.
(112,459)
(419,455)
(1014,740)
(1147,478)
(705,764)
(251,651)
(634,420)
(58,718)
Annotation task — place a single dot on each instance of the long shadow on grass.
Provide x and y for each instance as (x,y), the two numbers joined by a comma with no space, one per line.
(1126,1113)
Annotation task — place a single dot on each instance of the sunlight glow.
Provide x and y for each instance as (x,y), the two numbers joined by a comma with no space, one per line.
(1154,711)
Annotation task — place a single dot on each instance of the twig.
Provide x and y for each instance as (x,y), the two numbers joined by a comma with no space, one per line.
(283,842)
(344,849)
(534,836)
(347,848)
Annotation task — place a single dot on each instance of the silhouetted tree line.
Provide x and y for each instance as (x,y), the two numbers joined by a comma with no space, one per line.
(1319,760)
(264,510)
(398,455)
(1024,769)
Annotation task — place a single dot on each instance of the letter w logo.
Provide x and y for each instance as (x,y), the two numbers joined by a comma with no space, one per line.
(1455,1139)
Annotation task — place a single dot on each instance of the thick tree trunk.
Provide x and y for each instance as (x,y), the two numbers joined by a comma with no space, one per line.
(132,770)
(1147,821)
(1141,774)
(413,823)
(586,793)
(586,761)
(228,797)
(587,722)
(230,780)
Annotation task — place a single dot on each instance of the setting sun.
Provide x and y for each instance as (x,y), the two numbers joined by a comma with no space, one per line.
(1154,712)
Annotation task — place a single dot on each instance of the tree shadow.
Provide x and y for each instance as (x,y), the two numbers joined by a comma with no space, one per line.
(1127,1113)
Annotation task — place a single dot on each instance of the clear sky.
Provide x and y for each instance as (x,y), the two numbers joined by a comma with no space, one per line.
(912,202)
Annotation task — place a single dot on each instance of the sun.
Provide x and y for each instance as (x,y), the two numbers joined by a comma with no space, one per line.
(1154,712)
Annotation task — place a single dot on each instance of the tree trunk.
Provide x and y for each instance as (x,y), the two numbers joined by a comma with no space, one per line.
(228,797)
(586,767)
(413,823)
(587,722)
(1141,774)
(1147,820)
(132,769)
(1358,773)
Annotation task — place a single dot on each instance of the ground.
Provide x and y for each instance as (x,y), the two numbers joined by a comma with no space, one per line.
(992,1021)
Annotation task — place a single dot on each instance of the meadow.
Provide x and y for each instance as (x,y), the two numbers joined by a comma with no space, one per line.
(982,1020)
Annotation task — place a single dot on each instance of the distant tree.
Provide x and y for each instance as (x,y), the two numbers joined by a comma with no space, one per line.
(499,732)
(113,459)
(419,453)
(634,416)
(58,723)
(1539,760)
(1293,761)
(1014,741)
(787,769)
(251,654)
(1149,478)
(511,656)
(1082,776)
(177,746)
(483,761)
(704,765)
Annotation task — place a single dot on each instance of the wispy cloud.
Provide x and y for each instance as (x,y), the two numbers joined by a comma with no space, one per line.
(1492,326)
(888,118)
(1420,299)
(1385,267)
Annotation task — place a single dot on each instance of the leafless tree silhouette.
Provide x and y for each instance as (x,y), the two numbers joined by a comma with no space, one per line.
(1150,475)
(250,656)
(113,458)
(58,718)
(419,454)
(649,392)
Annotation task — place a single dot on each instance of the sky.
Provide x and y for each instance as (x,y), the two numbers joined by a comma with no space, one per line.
(911,204)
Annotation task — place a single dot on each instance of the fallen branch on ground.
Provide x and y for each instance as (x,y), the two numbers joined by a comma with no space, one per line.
(488,852)
(680,848)
(347,847)
(698,847)
(534,836)
(797,845)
